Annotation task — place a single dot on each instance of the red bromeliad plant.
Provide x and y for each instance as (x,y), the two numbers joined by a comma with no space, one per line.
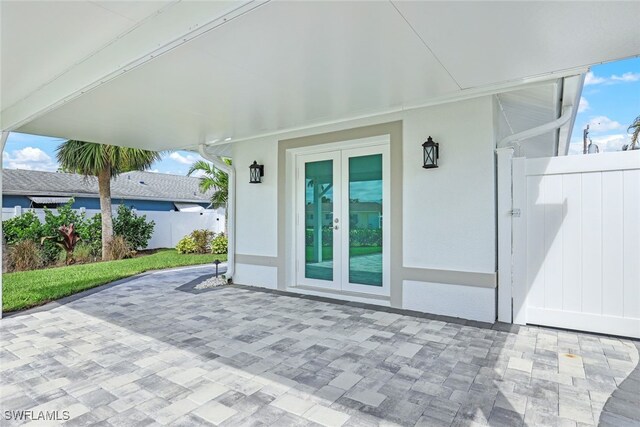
(67,240)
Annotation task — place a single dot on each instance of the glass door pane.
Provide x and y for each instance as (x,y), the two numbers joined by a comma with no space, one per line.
(318,215)
(365,220)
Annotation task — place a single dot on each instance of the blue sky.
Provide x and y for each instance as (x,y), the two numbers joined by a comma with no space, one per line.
(39,153)
(610,101)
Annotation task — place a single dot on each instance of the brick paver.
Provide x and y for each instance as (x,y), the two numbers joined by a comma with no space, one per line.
(144,353)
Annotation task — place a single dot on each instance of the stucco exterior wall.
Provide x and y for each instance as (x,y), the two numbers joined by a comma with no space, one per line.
(448,214)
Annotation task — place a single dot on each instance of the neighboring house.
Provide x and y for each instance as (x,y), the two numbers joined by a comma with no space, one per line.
(174,202)
(144,191)
(343,95)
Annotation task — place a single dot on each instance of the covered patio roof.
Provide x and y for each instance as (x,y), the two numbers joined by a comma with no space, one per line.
(167,74)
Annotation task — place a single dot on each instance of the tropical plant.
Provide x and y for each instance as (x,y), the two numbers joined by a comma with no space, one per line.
(634,129)
(213,179)
(135,229)
(53,220)
(103,162)
(22,227)
(219,244)
(66,239)
(202,239)
(24,255)
(91,234)
(186,245)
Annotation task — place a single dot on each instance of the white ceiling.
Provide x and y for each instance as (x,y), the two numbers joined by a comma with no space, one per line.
(259,68)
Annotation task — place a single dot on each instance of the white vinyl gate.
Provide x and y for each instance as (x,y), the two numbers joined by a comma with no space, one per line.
(576,242)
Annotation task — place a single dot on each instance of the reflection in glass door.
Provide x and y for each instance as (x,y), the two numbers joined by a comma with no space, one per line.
(318,206)
(342,229)
(365,220)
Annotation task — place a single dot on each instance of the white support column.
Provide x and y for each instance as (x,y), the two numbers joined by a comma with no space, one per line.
(504,157)
(231,207)
(519,242)
(3,141)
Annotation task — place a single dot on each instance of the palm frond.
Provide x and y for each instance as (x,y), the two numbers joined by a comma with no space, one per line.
(212,179)
(89,158)
(634,128)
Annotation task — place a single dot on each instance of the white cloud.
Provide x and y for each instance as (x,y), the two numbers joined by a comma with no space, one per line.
(584,105)
(605,143)
(185,160)
(626,77)
(603,124)
(629,77)
(167,172)
(592,79)
(29,158)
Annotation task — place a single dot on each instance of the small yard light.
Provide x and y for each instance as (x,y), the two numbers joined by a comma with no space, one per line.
(216,262)
(430,154)
(256,172)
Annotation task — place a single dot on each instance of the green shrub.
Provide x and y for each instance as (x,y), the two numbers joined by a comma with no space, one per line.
(219,244)
(186,245)
(119,248)
(135,229)
(64,216)
(84,253)
(23,227)
(202,239)
(365,237)
(25,255)
(91,234)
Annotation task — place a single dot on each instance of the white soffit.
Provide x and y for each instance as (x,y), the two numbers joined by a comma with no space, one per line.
(41,39)
(484,43)
(284,65)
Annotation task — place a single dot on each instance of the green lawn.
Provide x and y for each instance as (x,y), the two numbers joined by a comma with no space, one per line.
(31,288)
(327,251)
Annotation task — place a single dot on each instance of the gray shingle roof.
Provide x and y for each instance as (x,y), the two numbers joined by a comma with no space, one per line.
(130,185)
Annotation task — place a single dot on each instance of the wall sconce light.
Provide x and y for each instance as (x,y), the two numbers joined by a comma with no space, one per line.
(256,172)
(430,154)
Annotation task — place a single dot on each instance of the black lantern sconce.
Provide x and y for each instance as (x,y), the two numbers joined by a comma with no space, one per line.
(430,154)
(256,172)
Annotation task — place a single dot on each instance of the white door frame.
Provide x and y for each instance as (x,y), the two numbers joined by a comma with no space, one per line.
(343,150)
(385,289)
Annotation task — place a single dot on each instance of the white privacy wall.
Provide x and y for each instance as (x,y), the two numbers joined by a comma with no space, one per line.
(580,250)
(169,228)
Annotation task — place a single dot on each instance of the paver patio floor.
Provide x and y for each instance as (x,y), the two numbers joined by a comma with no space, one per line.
(144,353)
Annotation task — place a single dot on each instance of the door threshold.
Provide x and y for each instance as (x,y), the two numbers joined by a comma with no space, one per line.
(379,299)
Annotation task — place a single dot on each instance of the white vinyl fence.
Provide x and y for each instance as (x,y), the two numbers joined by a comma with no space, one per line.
(170,226)
(576,242)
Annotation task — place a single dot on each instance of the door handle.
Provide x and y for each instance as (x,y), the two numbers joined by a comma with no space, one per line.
(335,227)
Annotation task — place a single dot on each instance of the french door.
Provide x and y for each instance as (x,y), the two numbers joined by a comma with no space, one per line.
(342,219)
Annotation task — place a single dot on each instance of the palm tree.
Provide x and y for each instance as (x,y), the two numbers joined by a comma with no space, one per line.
(213,179)
(634,128)
(104,162)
